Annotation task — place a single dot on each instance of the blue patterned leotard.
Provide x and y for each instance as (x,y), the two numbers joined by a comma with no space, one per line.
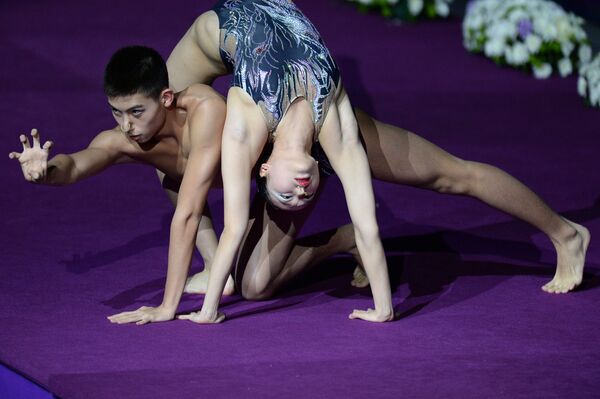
(276,55)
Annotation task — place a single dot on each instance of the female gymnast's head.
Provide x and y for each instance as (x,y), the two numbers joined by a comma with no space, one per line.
(136,83)
(289,181)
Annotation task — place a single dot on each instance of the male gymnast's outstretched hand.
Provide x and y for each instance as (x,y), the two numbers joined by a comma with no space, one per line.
(143,315)
(33,160)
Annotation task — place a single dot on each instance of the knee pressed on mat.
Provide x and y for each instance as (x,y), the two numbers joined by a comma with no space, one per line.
(256,295)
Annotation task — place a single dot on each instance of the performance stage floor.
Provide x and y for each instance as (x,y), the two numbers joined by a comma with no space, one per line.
(472,320)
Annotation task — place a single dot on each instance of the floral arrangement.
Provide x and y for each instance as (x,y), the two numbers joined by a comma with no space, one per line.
(588,84)
(407,10)
(536,35)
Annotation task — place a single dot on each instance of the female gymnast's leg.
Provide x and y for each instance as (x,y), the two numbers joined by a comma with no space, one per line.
(398,156)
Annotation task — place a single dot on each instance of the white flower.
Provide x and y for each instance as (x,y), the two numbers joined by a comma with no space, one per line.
(533,42)
(581,86)
(520,54)
(563,29)
(504,29)
(520,2)
(474,23)
(543,71)
(544,28)
(567,47)
(565,67)
(441,8)
(517,29)
(580,34)
(576,20)
(517,15)
(415,6)
(494,48)
(585,53)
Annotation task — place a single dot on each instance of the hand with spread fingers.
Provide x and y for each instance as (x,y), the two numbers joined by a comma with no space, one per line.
(33,159)
(371,315)
(143,315)
(200,318)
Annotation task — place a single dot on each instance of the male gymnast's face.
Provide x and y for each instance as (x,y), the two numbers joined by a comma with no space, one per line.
(140,117)
(291,181)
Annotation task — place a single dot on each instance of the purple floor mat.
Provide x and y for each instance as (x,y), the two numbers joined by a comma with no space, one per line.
(466,278)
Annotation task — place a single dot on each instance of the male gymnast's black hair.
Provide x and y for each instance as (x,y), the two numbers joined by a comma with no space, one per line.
(135,69)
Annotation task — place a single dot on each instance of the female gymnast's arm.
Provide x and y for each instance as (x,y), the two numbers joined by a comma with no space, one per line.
(340,141)
(244,136)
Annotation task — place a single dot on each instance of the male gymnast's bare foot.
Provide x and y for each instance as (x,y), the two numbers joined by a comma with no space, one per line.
(198,283)
(570,261)
(359,276)
(345,236)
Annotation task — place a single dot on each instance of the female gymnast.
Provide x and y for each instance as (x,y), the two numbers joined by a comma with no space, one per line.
(286,90)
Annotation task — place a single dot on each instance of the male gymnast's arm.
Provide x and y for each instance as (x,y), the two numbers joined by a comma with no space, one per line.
(340,141)
(102,152)
(206,126)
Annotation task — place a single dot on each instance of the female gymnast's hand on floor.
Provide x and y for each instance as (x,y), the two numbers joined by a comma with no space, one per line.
(200,318)
(143,315)
(371,315)
(33,160)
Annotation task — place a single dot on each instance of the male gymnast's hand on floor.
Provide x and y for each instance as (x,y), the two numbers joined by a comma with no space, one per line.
(143,315)
(33,160)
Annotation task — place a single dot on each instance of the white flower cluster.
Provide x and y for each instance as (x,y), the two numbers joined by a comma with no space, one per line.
(588,84)
(536,34)
(414,8)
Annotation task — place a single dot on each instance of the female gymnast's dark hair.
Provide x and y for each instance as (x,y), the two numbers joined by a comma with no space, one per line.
(261,182)
(135,69)
(325,168)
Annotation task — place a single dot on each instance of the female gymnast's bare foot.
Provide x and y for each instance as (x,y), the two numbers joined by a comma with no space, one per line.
(198,283)
(571,260)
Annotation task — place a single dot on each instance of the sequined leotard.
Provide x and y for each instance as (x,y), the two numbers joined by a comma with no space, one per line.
(276,55)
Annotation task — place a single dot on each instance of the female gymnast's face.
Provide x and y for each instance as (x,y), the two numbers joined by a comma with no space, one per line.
(139,117)
(291,182)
